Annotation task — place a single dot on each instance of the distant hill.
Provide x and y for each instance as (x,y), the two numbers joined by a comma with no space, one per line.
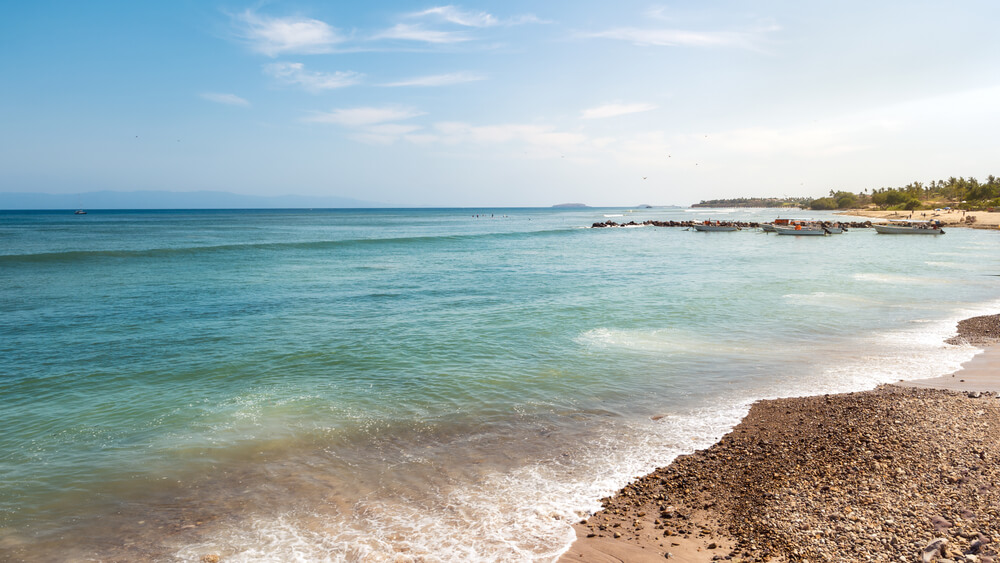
(571,205)
(173,200)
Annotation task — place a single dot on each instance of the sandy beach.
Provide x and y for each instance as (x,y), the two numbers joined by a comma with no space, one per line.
(903,472)
(950,217)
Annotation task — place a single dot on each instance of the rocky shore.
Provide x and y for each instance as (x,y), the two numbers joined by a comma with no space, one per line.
(740,224)
(892,474)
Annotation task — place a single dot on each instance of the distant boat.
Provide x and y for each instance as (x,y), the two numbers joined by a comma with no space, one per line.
(910,228)
(79,212)
(709,226)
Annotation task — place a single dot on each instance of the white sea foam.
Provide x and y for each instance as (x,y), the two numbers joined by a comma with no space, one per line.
(663,341)
(524,514)
(898,279)
(828,299)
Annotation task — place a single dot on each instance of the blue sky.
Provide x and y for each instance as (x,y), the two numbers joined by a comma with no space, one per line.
(497,103)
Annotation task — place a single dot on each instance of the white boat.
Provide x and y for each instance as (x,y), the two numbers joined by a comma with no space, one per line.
(714,226)
(805,227)
(909,228)
(772,227)
(815,230)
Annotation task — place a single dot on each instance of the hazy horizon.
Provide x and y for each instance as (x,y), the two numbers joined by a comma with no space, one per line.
(496,104)
(218,200)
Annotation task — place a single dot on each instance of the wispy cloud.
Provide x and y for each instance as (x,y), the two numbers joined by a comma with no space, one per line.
(295,73)
(678,37)
(228,99)
(614,110)
(749,38)
(409,32)
(439,80)
(364,116)
(427,24)
(453,15)
(276,36)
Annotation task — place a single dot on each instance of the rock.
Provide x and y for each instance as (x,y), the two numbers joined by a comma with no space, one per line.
(933,550)
(213,558)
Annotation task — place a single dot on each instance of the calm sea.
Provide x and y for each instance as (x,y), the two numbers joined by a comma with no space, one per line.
(433,385)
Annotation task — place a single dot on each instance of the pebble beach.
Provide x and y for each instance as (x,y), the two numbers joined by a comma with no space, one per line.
(898,473)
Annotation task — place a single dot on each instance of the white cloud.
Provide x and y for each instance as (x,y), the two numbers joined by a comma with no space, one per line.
(364,116)
(678,37)
(275,36)
(295,73)
(453,15)
(228,99)
(417,33)
(439,79)
(614,110)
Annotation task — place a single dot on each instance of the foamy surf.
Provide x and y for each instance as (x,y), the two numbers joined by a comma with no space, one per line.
(525,514)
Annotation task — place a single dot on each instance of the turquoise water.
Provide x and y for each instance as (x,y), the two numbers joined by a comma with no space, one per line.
(424,384)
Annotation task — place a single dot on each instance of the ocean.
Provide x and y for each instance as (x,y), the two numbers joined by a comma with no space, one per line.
(418,385)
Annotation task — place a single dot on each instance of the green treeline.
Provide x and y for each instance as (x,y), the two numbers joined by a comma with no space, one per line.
(959,193)
(756,202)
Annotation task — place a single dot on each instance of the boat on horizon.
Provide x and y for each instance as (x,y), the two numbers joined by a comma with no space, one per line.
(79,212)
(906,227)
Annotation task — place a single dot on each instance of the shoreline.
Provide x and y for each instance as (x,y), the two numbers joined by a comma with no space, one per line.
(949,218)
(872,475)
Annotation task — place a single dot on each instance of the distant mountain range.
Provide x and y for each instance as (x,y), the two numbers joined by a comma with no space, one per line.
(173,200)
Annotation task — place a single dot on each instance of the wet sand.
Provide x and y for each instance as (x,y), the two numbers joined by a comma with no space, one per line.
(879,475)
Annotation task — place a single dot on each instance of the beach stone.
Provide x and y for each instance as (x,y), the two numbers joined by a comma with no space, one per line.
(933,550)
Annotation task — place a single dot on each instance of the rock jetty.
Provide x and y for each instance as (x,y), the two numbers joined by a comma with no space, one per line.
(740,224)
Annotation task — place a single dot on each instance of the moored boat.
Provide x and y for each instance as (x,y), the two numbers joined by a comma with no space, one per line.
(799,230)
(909,228)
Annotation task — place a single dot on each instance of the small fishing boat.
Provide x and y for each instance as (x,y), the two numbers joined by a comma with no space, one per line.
(802,230)
(903,227)
(772,227)
(714,226)
(79,212)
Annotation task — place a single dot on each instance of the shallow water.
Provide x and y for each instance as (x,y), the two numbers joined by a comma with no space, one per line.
(417,384)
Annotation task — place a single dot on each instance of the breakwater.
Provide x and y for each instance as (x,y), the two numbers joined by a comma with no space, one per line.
(740,224)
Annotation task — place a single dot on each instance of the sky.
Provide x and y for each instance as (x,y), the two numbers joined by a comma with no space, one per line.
(509,103)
